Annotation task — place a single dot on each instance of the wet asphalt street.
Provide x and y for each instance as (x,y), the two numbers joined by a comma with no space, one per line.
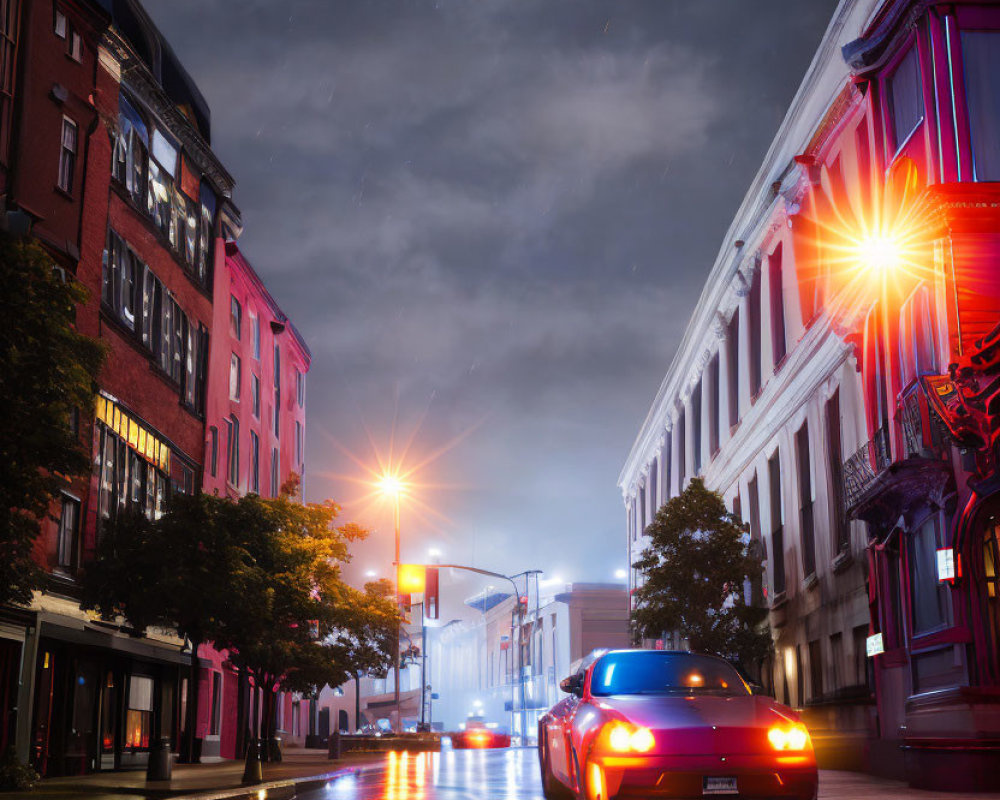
(513,775)
(449,775)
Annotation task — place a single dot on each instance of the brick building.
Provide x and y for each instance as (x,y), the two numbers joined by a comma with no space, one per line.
(105,158)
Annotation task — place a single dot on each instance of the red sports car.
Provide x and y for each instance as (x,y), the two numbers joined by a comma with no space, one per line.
(476,736)
(653,723)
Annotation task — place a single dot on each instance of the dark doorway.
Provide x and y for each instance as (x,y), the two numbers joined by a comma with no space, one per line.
(342,722)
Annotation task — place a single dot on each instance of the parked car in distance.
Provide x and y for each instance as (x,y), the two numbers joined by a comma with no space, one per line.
(478,736)
(640,723)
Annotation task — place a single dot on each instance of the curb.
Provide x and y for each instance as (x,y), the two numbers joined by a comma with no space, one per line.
(267,787)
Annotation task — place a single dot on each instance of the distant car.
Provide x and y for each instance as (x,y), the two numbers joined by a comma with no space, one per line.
(477,736)
(641,723)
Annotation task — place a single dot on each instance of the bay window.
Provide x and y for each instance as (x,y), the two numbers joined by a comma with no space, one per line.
(981,62)
(906,99)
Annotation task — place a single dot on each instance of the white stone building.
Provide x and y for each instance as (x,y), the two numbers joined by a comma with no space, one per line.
(764,401)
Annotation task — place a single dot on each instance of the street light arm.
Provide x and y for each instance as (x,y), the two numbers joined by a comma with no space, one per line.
(517,592)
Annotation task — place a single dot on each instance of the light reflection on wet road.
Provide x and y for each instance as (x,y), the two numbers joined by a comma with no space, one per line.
(509,774)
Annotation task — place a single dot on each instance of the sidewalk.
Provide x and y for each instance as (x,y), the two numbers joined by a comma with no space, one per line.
(207,781)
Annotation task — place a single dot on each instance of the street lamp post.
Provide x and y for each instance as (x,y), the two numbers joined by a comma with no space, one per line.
(391,486)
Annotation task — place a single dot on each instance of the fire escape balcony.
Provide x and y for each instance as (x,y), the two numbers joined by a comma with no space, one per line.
(880,485)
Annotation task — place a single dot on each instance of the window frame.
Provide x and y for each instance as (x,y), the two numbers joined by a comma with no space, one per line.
(68,157)
(899,142)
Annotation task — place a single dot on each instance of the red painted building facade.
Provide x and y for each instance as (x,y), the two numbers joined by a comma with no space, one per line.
(905,174)
(254,442)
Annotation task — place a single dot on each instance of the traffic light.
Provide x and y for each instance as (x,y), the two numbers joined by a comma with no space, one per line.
(411,578)
(431,593)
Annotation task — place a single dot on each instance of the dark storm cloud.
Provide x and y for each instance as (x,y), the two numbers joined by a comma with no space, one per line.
(500,211)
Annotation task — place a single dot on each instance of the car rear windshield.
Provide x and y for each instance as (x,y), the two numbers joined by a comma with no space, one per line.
(656,672)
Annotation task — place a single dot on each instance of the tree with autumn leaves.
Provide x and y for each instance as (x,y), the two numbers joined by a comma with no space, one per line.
(694,572)
(259,578)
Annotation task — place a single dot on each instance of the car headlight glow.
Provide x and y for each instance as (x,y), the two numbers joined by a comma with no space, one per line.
(795,737)
(624,738)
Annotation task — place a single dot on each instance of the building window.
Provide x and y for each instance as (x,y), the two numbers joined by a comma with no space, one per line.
(930,602)
(777,523)
(128,165)
(275,473)
(805,500)
(139,713)
(119,270)
(69,524)
(836,660)
(254,463)
(130,461)
(696,425)
(235,317)
(75,46)
(67,155)
(255,335)
(298,443)
(816,669)
(234,377)
(757,542)
(654,488)
(917,351)
(60,25)
(714,434)
(300,388)
(733,367)
(160,189)
(753,324)
(255,395)
(215,724)
(213,449)
(840,525)
(906,98)
(642,510)
(981,61)
(681,451)
(667,453)
(233,451)
(874,371)
(778,345)
(277,390)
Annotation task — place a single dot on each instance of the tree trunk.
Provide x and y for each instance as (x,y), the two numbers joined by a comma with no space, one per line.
(188,748)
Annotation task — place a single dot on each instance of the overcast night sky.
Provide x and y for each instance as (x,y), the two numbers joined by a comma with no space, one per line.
(490,220)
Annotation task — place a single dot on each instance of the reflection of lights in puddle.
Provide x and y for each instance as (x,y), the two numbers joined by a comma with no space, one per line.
(405,773)
(344,786)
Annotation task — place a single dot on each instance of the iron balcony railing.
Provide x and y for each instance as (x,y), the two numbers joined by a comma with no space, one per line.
(861,468)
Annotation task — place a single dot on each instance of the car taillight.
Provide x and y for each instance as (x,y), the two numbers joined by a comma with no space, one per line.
(625,738)
(789,737)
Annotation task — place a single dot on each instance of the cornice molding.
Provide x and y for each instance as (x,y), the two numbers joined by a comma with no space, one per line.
(137,78)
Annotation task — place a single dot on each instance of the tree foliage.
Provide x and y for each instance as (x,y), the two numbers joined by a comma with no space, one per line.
(371,635)
(694,571)
(257,577)
(48,372)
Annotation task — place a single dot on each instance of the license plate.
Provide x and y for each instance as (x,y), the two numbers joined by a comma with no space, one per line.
(713,784)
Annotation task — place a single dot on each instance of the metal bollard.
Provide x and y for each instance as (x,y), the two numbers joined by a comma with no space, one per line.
(159,766)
